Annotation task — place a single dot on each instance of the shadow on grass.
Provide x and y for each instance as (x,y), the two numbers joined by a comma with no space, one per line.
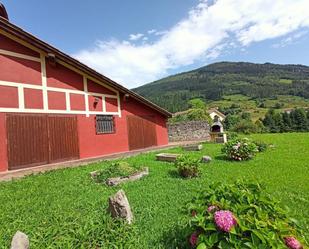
(176,238)
(174,174)
(222,158)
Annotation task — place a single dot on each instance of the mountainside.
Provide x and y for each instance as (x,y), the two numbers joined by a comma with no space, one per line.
(218,81)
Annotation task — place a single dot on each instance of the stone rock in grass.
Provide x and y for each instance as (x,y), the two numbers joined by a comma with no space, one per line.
(118,180)
(193,147)
(167,157)
(206,159)
(139,175)
(115,181)
(119,206)
(20,241)
(94,174)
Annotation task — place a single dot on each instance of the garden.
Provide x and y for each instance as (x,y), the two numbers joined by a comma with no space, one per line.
(250,195)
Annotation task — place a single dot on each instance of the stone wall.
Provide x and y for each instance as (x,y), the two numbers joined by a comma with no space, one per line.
(189,131)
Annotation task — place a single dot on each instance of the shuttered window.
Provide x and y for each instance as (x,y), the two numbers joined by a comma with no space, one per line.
(105,124)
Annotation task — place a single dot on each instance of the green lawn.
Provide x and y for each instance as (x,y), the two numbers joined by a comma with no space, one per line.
(65,209)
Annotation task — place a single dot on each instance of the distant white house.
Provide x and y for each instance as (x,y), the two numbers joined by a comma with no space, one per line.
(213,113)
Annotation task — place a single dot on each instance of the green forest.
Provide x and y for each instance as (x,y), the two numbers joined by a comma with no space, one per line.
(260,86)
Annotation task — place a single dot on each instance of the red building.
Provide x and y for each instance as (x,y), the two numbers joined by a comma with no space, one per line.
(54,108)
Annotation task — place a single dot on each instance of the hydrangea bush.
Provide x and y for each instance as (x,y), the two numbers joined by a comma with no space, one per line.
(261,146)
(187,166)
(240,149)
(240,215)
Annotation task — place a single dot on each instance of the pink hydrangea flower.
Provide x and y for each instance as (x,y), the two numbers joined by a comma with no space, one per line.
(193,239)
(292,243)
(212,208)
(224,220)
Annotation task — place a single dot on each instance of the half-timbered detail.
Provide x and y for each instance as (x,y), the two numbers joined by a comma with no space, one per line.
(54,108)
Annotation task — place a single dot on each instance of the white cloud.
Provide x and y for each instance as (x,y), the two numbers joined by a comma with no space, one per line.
(135,37)
(207,31)
(152,31)
(291,39)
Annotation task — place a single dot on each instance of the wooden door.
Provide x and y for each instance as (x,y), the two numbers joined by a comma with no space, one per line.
(141,132)
(27,140)
(40,139)
(63,138)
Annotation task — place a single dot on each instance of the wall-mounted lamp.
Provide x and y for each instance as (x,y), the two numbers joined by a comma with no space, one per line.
(96,101)
(51,58)
(126,97)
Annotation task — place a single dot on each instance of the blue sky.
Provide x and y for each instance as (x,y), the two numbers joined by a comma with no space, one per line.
(135,42)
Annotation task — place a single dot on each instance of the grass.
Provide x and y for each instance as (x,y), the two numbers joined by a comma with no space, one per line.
(65,209)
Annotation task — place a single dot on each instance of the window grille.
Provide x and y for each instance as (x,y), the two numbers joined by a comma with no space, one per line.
(105,124)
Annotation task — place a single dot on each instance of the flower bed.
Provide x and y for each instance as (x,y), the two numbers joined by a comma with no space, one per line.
(240,215)
(118,172)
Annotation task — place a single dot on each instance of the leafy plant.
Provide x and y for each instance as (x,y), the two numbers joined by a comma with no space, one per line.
(240,149)
(239,215)
(261,146)
(116,169)
(187,166)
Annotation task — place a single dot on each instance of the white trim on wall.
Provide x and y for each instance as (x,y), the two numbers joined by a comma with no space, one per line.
(86,95)
(17,110)
(44,82)
(21,98)
(18,55)
(118,104)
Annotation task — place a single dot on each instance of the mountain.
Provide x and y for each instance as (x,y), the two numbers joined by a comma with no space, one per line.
(225,80)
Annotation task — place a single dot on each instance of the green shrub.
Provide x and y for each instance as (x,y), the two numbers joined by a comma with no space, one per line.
(261,146)
(240,149)
(232,135)
(187,166)
(256,219)
(245,126)
(116,169)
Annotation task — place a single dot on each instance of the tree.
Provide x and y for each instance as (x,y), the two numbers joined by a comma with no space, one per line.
(230,121)
(273,121)
(287,122)
(299,120)
(197,112)
(197,104)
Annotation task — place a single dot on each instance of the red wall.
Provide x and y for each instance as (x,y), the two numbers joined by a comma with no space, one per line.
(28,71)
(8,44)
(93,145)
(56,100)
(33,98)
(61,77)
(3,148)
(8,97)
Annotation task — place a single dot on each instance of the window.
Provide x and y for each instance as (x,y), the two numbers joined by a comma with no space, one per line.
(105,124)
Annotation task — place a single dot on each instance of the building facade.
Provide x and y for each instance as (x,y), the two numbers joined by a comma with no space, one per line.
(53,108)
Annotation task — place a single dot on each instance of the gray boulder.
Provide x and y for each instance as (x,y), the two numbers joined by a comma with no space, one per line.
(119,206)
(206,159)
(20,241)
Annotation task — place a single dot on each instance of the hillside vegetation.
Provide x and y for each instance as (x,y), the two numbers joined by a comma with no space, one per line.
(221,84)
